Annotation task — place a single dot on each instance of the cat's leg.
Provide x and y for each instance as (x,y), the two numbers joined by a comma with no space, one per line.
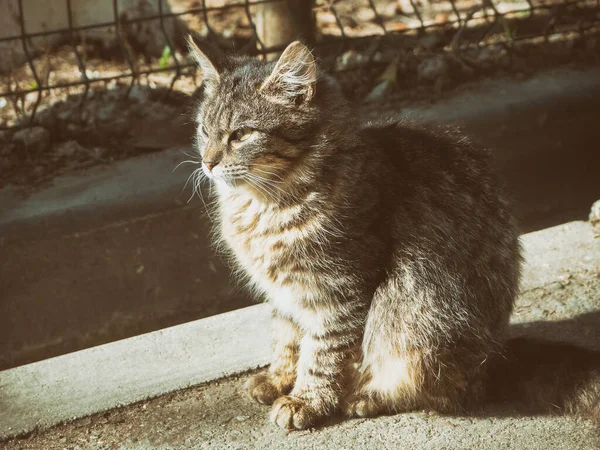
(443,380)
(413,357)
(279,379)
(387,381)
(386,377)
(324,355)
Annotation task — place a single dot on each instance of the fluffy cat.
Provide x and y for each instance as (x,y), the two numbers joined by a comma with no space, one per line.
(387,251)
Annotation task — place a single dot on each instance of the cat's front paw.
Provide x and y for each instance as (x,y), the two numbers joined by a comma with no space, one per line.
(294,413)
(264,389)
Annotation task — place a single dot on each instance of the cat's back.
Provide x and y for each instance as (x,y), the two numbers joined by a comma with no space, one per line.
(427,155)
(444,194)
(436,169)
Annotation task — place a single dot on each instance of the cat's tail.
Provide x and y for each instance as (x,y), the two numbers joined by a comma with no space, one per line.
(548,377)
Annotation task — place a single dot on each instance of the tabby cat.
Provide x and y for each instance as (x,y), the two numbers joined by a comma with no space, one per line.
(386,251)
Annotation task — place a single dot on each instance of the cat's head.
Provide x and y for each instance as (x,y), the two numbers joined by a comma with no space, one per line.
(258,121)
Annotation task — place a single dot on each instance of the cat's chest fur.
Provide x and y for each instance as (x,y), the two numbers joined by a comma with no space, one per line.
(271,244)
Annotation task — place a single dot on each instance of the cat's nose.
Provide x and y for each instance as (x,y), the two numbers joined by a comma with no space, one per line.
(210,165)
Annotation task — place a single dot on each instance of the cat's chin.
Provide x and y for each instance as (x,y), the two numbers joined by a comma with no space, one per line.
(222,185)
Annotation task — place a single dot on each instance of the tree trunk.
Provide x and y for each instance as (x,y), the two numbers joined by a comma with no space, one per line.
(279,23)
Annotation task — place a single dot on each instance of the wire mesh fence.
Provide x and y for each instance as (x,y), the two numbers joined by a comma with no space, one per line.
(80,46)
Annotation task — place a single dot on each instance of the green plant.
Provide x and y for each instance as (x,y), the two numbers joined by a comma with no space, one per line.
(164,58)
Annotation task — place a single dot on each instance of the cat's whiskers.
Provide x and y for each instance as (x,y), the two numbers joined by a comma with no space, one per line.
(266,182)
(263,182)
(198,176)
(193,155)
(191,176)
(261,189)
(267,172)
(272,183)
(282,195)
(187,161)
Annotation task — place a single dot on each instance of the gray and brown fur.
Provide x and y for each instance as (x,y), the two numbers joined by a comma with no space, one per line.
(387,251)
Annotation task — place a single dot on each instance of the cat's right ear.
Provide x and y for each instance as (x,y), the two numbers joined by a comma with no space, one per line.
(294,77)
(210,73)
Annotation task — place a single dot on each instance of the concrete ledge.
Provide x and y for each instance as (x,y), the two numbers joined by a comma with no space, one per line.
(42,394)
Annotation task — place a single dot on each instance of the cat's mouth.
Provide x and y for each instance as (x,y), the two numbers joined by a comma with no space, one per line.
(231,176)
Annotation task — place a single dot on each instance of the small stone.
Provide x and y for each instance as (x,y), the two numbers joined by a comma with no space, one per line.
(595,213)
(46,118)
(99,152)
(87,116)
(5,163)
(138,94)
(429,41)
(64,115)
(36,139)
(120,126)
(68,148)
(5,136)
(591,43)
(3,102)
(433,68)
(90,120)
(242,418)
(349,59)
(7,149)
(390,9)
(72,127)
(105,112)
(491,54)
(542,118)
(379,92)
(365,15)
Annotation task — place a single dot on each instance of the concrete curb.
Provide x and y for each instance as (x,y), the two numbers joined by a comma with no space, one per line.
(45,393)
(66,387)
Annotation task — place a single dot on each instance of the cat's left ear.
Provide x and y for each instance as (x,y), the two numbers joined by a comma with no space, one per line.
(210,75)
(294,77)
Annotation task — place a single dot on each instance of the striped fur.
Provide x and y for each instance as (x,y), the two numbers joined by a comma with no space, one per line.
(387,252)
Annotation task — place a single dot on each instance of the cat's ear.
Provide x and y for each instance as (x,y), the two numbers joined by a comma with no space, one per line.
(210,73)
(294,77)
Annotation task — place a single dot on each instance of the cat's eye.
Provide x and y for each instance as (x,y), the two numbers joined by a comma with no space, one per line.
(240,135)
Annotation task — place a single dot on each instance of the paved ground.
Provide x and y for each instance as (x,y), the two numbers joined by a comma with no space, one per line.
(560,300)
(217,416)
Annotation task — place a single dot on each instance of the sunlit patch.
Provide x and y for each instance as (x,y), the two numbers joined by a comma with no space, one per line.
(389,375)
